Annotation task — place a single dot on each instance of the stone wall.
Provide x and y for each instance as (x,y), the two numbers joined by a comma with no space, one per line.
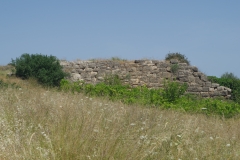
(151,73)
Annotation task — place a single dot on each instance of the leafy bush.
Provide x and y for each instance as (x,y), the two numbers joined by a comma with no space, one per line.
(46,69)
(174,68)
(229,76)
(231,81)
(171,96)
(173,90)
(182,58)
(112,80)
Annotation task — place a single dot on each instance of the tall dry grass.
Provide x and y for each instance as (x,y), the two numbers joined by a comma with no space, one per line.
(37,123)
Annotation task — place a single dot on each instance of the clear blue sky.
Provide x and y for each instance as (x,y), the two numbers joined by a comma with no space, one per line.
(207,32)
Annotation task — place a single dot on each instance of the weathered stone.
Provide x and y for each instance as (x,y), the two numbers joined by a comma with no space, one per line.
(194,69)
(88,69)
(79,71)
(92,65)
(155,71)
(204,78)
(116,71)
(181,76)
(81,66)
(151,73)
(196,74)
(214,93)
(183,79)
(163,65)
(223,93)
(153,80)
(134,81)
(198,81)
(194,93)
(204,94)
(195,89)
(174,61)
(93,73)
(169,69)
(88,79)
(215,85)
(64,63)
(166,75)
(182,64)
(220,88)
(205,89)
(147,62)
(162,70)
(155,85)
(194,85)
(191,79)
(100,78)
(154,67)
(208,84)
(73,71)
(228,89)
(147,68)
(76,66)
(228,96)
(76,76)
(211,89)
(95,69)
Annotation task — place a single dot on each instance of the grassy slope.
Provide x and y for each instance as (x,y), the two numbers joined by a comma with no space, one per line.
(37,123)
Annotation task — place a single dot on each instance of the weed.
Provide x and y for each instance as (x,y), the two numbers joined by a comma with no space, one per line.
(174,68)
(172,95)
(40,123)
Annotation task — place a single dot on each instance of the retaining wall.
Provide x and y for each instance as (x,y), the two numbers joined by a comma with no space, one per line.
(151,73)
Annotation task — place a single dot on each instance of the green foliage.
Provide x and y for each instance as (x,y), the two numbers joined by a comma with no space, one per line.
(229,76)
(112,80)
(46,69)
(231,81)
(117,59)
(171,96)
(4,85)
(173,90)
(174,68)
(182,58)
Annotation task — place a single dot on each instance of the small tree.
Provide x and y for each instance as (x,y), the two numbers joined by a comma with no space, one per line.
(46,69)
(182,58)
(172,91)
(231,81)
(229,75)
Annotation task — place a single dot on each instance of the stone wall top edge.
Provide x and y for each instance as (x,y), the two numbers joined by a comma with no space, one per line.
(140,62)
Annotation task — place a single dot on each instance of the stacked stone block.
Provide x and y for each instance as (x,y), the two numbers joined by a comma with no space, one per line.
(151,73)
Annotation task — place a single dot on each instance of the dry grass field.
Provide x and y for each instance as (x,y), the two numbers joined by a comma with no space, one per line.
(39,123)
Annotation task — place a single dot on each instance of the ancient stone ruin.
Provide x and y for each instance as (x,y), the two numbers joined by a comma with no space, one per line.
(151,73)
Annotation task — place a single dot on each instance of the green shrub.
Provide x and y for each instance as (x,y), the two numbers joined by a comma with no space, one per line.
(112,80)
(180,57)
(172,96)
(229,76)
(231,81)
(174,68)
(173,90)
(117,59)
(46,69)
